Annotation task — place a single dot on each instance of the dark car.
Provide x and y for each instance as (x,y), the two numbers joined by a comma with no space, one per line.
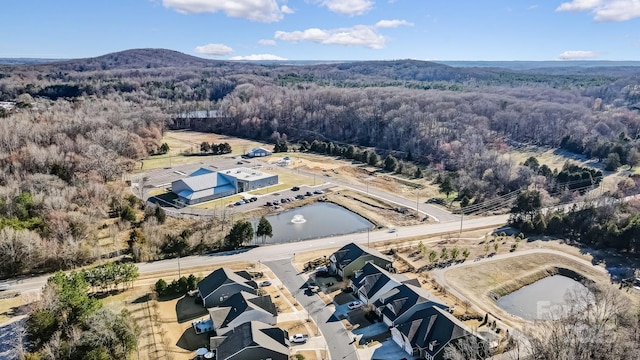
(253,199)
(268,203)
(299,196)
(308,193)
(295,188)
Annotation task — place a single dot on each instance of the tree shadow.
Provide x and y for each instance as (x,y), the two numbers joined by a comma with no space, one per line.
(187,309)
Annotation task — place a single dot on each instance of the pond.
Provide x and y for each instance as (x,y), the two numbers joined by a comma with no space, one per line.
(314,221)
(533,302)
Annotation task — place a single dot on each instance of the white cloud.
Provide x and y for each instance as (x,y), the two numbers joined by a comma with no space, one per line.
(267,42)
(605,10)
(392,23)
(286,10)
(579,5)
(348,7)
(578,55)
(533,7)
(359,35)
(255,57)
(214,49)
(255,10)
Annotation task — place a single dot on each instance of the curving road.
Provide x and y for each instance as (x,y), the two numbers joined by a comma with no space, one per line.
(288,250)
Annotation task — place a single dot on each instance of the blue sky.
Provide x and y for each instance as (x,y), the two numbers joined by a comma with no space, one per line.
(326,29)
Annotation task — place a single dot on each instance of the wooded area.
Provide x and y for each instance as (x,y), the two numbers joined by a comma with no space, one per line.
(80,125)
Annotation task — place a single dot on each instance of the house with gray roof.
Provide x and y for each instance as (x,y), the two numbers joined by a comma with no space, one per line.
(372,281)
(398,304)
(205,185)
(222,284)
(351,257)
(429,331)
(240,308)
(252,340)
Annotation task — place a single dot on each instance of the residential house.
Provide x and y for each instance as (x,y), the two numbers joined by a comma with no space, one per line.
(372,281)
(398,304)
(240,308)
(429,331)
(222,284)
(352,257)
(252,340)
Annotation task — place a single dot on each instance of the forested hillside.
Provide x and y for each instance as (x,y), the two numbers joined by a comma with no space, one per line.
(79,125)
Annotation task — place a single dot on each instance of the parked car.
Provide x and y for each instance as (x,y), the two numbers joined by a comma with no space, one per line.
(299,196)
(265,283)
(276,202)
(254,199)
(268,203)
(354,305)
(4,287)
(308,193)
(295,188)
(238,203)
(299,338)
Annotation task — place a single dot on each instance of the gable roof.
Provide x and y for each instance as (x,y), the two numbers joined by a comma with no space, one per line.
(251,334)
(351,252)
(207,180)
(400,299)
(433,326)
(201,171)
(371,278)
(221,277)
(239,303)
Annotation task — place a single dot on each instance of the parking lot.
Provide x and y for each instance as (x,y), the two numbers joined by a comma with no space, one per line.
(161,179)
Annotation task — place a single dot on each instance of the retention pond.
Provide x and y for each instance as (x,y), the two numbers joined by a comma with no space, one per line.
(536,301)
(314,221)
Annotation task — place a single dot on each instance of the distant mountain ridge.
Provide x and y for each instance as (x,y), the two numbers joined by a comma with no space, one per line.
(347,72)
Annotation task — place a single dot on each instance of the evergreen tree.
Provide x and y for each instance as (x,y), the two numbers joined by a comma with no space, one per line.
(264,229)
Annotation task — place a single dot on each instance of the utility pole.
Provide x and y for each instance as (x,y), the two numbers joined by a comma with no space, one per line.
(461,218)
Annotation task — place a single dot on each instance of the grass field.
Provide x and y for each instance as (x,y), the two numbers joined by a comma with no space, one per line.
(218,203)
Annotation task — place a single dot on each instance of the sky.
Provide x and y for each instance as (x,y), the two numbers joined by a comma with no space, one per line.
(465,30)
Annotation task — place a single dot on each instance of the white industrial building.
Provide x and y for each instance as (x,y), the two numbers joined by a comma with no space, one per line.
(205,185)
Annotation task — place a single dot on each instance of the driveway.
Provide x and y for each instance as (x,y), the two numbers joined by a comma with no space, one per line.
(337,337)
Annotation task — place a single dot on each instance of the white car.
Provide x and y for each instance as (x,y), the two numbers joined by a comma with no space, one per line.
(354,305)
(4,287)
(299,338)
(265,283)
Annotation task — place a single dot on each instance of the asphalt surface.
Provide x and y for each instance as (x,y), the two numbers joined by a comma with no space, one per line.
(336,336)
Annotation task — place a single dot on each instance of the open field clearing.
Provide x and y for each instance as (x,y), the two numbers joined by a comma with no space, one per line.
(185,141)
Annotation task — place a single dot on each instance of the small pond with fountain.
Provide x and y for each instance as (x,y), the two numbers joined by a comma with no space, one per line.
(314,221)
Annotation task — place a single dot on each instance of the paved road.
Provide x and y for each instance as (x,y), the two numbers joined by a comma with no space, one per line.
(336,336)
(288,250)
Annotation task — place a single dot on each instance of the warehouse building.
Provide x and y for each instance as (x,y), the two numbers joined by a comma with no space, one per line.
(205,185)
